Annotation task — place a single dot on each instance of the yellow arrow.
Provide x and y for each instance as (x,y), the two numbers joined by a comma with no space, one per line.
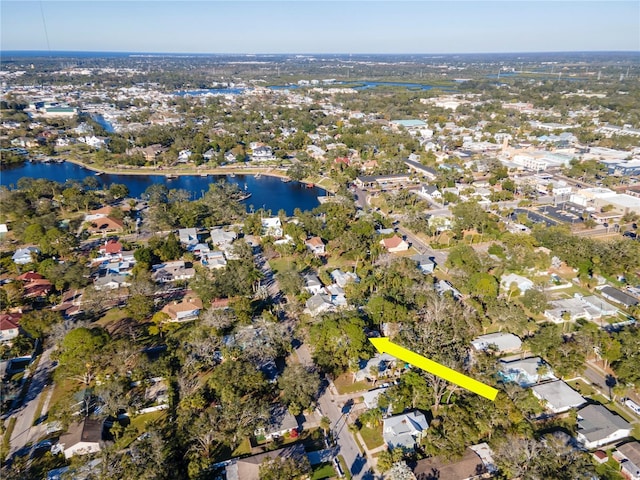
(385,345)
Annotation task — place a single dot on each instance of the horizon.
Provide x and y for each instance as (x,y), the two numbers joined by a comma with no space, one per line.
(321,27)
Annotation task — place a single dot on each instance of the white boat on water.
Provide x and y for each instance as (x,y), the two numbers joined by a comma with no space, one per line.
(98,174)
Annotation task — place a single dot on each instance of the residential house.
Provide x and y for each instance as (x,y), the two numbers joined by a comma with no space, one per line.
(185,310)
(425,263)
(222,237)
(106,225)
(319,303)
(598,426)
(188,237)
(469,467)
(111,281)
(262,153)
(172,272)
(158,391)
(70,303)
(394,244)
(279,424)
(200,249)
(337,295)
(404,430)
(22,256)
(498,342)
(383,364)
(9,323)
(315,245)
(628,455)
(312,283)
(428,172)
(36,287)
(430,191)
(370,397)
(342,279)
(248,468)
(525,371)
(214,260)
(618,296)
(558,396)
(110,248)
(444,286)
(571,309)
(272,226)
(82,438)
(522,283)
(184,156)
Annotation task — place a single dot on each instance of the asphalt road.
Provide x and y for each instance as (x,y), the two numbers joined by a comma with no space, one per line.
(334,408)
(24,432)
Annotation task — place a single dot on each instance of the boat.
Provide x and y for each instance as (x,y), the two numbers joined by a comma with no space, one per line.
(98,174)
(310,185)
(171,176)
(285,179)
(232,175)
(258,175)
(245,196)
(204,174)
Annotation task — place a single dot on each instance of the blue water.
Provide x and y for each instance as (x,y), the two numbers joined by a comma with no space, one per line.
(357,86)
(266,192)
(104,123)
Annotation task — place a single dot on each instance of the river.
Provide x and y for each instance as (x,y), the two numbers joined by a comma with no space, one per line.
(269,193)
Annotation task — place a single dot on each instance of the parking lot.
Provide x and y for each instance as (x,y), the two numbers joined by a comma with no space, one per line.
(565,212)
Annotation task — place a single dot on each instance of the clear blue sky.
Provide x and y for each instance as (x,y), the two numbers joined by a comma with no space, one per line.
(321,26)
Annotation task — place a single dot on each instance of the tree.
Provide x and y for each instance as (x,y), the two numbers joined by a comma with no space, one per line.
(139,306)
(399,471)
(285,468)
(80,348)
(388,458)
(39,322)
(534,300)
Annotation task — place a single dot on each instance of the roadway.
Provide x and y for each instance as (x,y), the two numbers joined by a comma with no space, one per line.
(24,432)
(336,408)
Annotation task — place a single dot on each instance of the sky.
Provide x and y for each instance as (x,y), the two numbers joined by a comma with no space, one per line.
(308,26)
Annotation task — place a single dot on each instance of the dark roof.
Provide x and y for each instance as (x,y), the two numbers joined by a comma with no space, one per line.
(595,422)
(248,468)
(437,468)
(421,167)
(619,296)
(88,430)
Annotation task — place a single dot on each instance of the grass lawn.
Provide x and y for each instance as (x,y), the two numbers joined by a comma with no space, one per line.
(344,384)
(141,422)
(112,316)
(345,469)
(282,264)
(322,471)
(582,388)
(372,436)
(243,449)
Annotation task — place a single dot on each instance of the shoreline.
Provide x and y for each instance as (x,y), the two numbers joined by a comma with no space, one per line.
(195,172)
(219,171)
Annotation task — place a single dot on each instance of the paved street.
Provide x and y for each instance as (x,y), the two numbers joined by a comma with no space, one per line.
(333,406)
(24,432)
(440,256)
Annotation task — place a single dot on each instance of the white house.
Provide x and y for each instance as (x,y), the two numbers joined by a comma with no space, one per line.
(312,283)
(342,279)
(9,326)
(172,272)
(425,263)
(221,237)
(184,156)
(558,396)
(188,237)
(526,371)
(522,283)
(272,226)
(597,427)
(501,342)
(315,245)
(82,438)
(22,256)
(319,303)
(262,153)
(404,430)
(214,260)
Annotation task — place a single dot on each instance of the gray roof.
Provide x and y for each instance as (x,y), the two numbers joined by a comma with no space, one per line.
(503,341)
(595,422)
(619,296)
(403,430)
(558,395)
